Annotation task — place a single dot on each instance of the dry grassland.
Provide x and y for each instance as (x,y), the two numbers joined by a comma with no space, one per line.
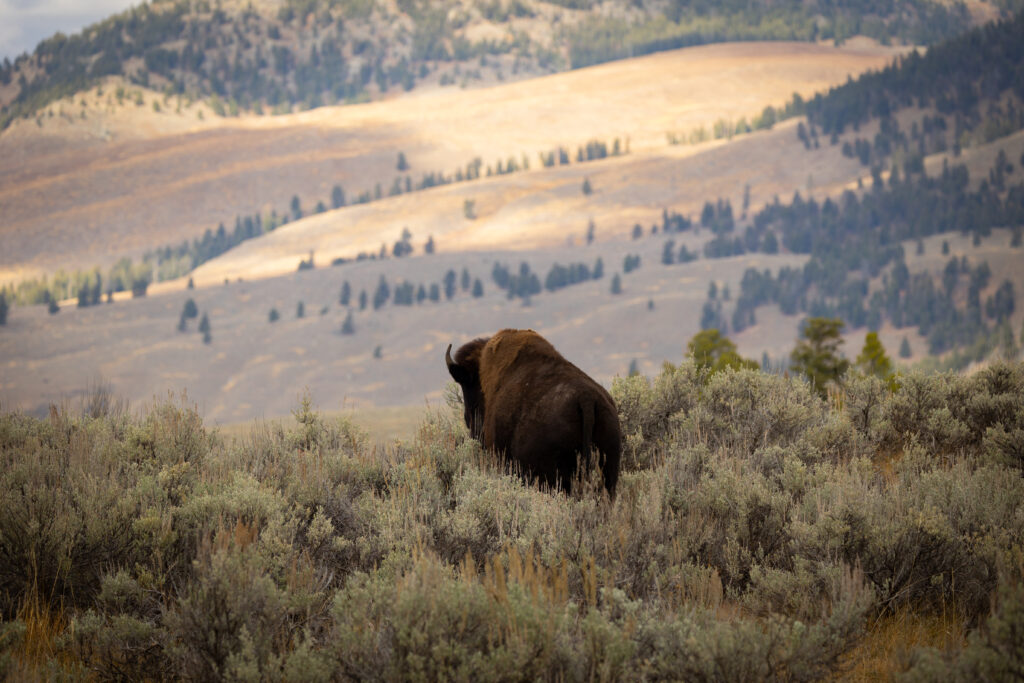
(70,200)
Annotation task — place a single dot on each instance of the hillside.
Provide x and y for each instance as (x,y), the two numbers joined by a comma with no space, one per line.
(73,200)
(780,259)
(281,54)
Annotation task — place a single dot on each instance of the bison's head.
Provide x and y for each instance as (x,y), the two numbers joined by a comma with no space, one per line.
(465,370)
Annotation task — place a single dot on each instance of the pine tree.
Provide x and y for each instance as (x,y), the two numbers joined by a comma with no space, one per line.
(204,324)
(435,292)
(478,288)
(3,309)
(337,197)
(273,315)
(191,284)
(668,253)
(714,352)
(587,187)
(616,284)
(449,284)
(429,246)
(383,293)
(817,354)
(598,271)
(905,348)
(300,310)
(346,293)
(634,368)
(465,282)
(872,359)
(402,164)
(207,337)
(348,327)
(190,309)
(296,206)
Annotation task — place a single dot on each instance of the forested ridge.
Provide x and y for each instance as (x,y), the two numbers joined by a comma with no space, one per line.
(314,52)
(957,78)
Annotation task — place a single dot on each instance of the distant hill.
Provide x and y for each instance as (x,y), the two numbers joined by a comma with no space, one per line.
(279,55)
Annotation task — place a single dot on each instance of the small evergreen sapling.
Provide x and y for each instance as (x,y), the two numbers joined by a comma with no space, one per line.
(616,284)
(905,348)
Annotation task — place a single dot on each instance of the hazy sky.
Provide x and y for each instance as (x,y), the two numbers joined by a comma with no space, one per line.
(23,23)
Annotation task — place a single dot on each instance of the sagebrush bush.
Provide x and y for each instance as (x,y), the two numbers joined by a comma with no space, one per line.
(756,530)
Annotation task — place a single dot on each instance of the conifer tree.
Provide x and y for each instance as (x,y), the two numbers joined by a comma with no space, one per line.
(817,354)
(190,309)
(465,282)
(346,293)
(300,310)
(616,284)
(383,293)
(337,197)
(449,284)
(182,323)
(905,348)
(872,359)
(204,324)
(348,326)
(668,253)
(273,315)
(598,271)
(714,352)
(478,288)
(3,309)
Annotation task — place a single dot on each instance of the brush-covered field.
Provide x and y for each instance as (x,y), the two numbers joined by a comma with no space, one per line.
(759,532)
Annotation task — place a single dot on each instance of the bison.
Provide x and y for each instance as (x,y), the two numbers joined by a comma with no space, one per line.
(526,402)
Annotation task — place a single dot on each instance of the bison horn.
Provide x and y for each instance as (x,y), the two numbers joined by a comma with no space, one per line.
(448,359)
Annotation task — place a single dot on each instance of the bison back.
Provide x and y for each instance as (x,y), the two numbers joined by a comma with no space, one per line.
(545,418)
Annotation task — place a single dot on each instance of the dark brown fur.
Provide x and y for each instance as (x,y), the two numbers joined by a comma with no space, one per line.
(524,400)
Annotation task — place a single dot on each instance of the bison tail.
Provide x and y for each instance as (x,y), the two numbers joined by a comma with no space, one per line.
(587,414)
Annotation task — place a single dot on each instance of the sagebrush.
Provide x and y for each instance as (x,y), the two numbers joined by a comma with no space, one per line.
(757,532)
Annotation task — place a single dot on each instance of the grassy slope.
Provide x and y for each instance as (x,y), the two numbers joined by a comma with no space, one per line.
(78,204)
(253,369)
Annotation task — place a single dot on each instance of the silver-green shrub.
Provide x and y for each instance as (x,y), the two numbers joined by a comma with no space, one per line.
(757,530)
